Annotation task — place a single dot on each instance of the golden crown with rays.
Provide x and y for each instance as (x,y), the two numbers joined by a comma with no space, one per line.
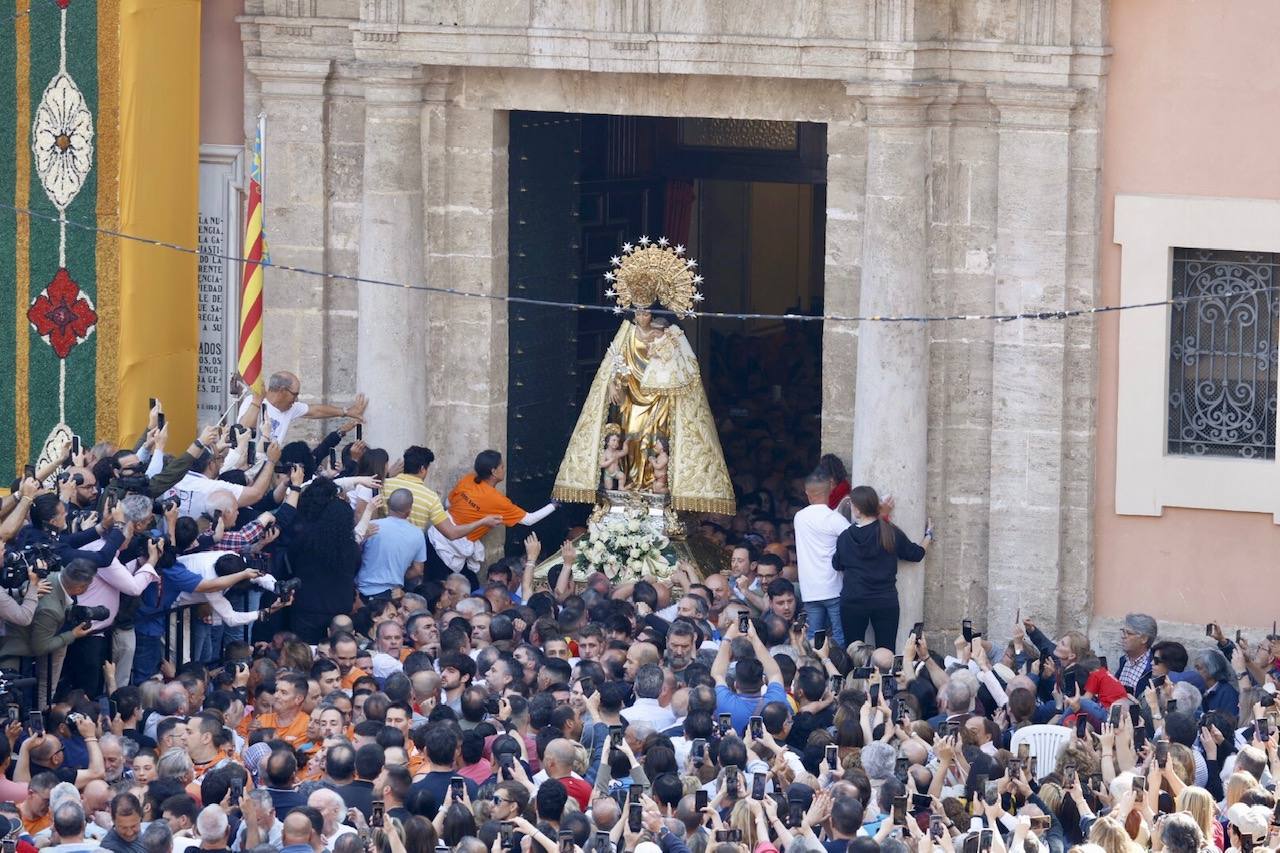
(654,271)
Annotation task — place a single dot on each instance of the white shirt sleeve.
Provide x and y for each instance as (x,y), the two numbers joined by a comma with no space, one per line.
(989,680)
(228,614)
(155,464)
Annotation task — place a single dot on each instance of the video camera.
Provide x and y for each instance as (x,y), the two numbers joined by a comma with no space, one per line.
(160,506)
(38,557)
(79,614)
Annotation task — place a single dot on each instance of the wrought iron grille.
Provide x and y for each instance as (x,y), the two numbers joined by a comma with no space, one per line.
(1222,354)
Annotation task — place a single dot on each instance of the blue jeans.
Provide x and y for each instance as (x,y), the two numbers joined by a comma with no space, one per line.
(147,657)
(244,601)
(825,614)
(206,641)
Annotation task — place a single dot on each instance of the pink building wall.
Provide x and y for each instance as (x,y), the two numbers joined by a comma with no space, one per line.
(1193,108)
(221,73)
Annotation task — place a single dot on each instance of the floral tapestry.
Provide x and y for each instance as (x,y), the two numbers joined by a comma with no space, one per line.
(58,174)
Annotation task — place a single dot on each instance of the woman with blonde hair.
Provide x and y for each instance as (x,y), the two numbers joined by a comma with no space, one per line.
(1199,804)
(1108,834)
(1236,786)
(741,818)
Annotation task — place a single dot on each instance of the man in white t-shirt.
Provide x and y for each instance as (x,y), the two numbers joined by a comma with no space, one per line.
(817,527)
(206,564)
(283,406)
(193,490)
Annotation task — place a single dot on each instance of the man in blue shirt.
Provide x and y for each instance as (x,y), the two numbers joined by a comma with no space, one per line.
(398,550)
(757,680)
(157,599)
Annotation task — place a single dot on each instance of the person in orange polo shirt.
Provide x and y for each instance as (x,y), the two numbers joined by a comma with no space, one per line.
(287,716)
(343,650)
(476,496)
(203,734)
(34,810)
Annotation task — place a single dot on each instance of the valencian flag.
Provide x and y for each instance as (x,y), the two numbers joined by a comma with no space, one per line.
(249,362)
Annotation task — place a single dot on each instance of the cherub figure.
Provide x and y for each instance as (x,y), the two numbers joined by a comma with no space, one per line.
(660,456)
(613,473)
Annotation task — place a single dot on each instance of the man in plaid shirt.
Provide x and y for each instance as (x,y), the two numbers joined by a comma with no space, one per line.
(1137,634)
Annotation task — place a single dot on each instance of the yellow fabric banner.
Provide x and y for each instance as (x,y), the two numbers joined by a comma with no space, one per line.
(159,190)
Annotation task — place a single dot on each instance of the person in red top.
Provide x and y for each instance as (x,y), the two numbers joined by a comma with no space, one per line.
(557,760)
(476,496)
(1103,687)
(831,465)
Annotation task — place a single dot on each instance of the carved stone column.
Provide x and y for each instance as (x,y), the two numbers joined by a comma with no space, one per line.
(466,250)
(392,365)
(1028,433)
(891,407)
(294,201)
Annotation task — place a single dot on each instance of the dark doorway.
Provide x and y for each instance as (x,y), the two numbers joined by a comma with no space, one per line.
(747,198)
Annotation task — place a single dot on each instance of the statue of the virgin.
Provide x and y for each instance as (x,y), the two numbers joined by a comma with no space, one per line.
(646,416)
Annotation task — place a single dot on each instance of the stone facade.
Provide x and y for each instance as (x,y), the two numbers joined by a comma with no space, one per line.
(963,140)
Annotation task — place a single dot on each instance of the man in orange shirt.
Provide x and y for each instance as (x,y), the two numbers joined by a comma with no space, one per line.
(203,732)
(343,650)
(34,810)
(287,716)
(476,496)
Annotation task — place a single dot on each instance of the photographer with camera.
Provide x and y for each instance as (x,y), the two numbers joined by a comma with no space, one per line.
(221,564)
(78,489)
(129,574)
(158,599)
(14,576)
(47,537)
(56,624)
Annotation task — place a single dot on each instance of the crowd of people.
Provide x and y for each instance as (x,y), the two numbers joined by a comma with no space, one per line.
(360,677)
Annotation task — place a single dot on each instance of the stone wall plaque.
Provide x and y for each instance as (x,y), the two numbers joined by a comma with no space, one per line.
(217,279)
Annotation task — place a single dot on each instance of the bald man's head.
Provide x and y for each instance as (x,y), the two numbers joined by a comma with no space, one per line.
(222,499)
(400,503)
(558,757)
(297,829)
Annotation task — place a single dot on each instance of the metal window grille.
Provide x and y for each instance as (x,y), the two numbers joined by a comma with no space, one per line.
(1222,354)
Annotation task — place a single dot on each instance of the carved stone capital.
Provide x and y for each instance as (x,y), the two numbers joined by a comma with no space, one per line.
(1041,107)
(290,78)
(897,104)
(387,83)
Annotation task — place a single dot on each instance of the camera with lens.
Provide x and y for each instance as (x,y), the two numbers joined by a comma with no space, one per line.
(286,588)
(37,557)
(78,479)
(160,506)
(79,614)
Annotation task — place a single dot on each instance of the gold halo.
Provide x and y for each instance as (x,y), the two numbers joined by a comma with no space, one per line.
(655,272)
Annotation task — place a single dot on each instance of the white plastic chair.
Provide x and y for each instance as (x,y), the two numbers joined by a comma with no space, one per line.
(1045,744)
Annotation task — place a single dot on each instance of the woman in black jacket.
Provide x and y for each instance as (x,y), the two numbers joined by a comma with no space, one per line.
(868,553)
(324,555)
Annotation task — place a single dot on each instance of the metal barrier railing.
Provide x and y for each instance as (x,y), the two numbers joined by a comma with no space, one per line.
(177,650)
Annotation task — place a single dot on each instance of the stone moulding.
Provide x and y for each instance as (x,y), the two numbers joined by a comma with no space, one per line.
(816,58)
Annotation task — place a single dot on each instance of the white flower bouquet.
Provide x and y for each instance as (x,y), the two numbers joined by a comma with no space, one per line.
(625,547)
